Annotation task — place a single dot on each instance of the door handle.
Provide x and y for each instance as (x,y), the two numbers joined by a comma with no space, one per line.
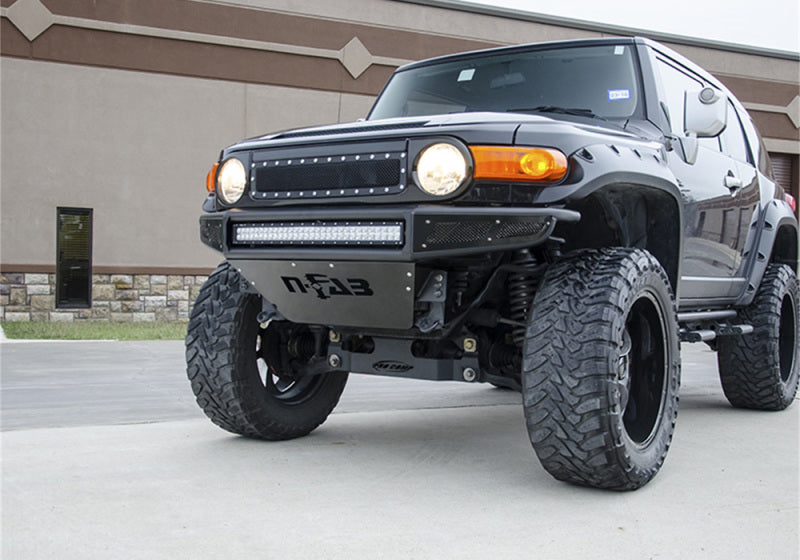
(732,182)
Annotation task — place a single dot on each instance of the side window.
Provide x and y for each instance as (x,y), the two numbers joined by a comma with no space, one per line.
(758,150)
(674,83)
(733,140)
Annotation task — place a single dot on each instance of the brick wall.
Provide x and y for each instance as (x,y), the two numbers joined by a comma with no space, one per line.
(115,297)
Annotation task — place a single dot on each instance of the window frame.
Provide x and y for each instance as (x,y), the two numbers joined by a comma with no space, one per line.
(62,301)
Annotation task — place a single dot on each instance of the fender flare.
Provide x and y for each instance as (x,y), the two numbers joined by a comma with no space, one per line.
(775,216)
(634,168)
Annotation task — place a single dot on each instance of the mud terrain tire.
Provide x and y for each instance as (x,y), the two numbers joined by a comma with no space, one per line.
(761,370)
(232,379)
(601,368)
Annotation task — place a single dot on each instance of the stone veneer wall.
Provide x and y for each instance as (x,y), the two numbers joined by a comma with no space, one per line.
(115,297)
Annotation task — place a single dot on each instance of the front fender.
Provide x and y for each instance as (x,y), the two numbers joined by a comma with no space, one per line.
(778,224)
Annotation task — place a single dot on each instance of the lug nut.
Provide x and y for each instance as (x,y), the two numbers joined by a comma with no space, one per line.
(334,360)
(469,374)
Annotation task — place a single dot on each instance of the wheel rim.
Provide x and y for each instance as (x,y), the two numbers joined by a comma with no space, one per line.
(283,387)
(787,338)
(643,370)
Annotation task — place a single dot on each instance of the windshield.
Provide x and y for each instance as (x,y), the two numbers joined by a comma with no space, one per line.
(595,80)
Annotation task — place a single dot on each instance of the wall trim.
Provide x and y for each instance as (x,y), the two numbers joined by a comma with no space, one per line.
(354,56)
(122,269)
(782,146)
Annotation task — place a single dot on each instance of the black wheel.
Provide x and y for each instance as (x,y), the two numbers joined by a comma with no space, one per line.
(761,370)
(601,369)
(250,380)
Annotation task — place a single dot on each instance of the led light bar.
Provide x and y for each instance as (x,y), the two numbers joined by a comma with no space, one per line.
(320,234)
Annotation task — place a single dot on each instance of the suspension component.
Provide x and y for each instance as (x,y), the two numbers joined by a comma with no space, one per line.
(521,288)
(302,346)
(459,284)
(504,357)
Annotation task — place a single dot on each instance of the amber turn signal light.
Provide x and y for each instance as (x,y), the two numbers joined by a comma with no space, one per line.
(211,178)
(502,163)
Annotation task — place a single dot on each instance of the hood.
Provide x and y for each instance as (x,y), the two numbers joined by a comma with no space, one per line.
(503,126)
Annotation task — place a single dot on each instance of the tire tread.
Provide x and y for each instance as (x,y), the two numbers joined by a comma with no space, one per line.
(568,398)
(212,355)
(748,365)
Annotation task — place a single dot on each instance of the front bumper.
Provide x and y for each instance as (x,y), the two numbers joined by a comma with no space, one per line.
(425,232)
(347,278)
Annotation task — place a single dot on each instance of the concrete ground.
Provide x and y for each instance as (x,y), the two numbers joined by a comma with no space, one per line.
(105,455)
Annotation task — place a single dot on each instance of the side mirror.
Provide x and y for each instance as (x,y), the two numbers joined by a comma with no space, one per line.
(705,112)
(705,115)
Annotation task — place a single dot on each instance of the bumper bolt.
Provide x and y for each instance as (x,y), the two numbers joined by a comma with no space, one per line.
(469,374)
(334,360)
(470,345)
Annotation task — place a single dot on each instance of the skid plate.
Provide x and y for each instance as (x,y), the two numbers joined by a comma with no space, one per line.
(353,294)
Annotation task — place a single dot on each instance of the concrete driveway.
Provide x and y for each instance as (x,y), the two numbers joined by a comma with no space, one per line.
(105,455)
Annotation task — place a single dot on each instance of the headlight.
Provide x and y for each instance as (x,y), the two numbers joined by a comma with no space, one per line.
(441,169)
(231,180)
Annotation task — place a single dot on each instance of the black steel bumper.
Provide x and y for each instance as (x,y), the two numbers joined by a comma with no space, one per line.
(426,231)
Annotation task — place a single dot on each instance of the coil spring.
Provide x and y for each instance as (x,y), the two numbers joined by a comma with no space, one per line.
(302,346)
(521,288)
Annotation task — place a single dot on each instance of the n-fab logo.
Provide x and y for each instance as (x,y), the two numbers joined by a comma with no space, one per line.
(327,286)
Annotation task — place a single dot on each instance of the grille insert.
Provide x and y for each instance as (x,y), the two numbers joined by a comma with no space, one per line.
(329,176)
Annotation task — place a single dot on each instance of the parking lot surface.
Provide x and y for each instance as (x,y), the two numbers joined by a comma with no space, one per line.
(105,455)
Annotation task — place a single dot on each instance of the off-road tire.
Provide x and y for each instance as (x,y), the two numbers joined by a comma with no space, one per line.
(603,326)
(760,370)
(222,365)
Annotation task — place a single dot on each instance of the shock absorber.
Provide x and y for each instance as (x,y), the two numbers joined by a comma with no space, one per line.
(459,284)
(521,287)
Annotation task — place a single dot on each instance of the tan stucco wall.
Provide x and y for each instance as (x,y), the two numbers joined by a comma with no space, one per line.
(135,147)
(105,108)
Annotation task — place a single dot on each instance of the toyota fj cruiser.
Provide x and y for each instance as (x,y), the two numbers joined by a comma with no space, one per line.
(553,218)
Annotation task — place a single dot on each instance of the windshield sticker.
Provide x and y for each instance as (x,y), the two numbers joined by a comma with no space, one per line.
(466,75)
(619,49)
(617,94)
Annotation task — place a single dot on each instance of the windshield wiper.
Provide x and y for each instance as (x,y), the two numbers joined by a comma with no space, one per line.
(556,109)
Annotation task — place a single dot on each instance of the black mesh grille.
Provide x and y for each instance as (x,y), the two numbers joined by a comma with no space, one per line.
(455,233)
(439,232)
(353,170)
(345,175)
(211,233)
(518,229)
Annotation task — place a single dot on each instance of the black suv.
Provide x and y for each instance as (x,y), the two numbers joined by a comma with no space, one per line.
(553,218)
